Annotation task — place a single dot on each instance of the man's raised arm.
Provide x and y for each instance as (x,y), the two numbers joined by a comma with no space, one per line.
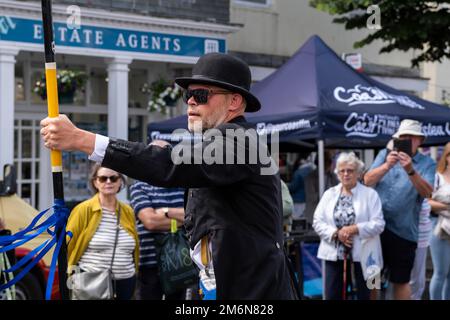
(372,177)
(61,134)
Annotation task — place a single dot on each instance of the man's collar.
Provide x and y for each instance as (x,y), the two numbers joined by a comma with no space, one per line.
(238,119)
(416,157)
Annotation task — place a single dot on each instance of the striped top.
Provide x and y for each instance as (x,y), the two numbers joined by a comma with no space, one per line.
(99,252)
(144,195)
(425,225)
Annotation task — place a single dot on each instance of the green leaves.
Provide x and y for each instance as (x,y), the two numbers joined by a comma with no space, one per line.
(162,94)
(68,82)
(414,24)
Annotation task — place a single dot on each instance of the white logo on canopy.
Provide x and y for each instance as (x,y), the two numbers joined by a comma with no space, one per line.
(370,126)
(269,128)
(372,95)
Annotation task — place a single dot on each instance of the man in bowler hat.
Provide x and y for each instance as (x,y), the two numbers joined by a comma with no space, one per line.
(233,214)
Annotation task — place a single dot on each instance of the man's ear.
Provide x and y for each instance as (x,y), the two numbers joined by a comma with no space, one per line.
(236,102)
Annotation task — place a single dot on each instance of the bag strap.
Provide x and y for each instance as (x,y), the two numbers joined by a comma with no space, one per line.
(438,181)
(115,240)
(173,226)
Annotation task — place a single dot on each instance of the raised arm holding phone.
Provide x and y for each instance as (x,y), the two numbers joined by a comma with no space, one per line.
(402,183)
(405,148)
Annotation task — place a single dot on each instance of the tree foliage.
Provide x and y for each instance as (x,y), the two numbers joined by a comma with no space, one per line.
(405,24)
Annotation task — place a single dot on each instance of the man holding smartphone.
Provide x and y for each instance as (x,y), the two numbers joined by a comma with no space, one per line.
(402,182)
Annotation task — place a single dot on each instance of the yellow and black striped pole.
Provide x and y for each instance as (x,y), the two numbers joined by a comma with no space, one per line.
(55,155)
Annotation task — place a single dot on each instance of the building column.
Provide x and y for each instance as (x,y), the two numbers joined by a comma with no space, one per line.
(7,89)
(118,97)
(118,102)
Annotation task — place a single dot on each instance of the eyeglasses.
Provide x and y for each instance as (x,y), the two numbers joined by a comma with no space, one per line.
(201,95)
(103,179)
(344,171)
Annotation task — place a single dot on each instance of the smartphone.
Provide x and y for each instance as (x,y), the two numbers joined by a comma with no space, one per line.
(403,146)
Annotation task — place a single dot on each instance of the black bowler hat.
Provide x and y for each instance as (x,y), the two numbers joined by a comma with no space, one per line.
(224,71)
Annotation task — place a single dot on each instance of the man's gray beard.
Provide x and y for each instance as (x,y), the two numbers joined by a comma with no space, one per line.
(196,127)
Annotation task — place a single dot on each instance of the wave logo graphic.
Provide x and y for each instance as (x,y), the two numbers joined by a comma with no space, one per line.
(372,95)
(370,126)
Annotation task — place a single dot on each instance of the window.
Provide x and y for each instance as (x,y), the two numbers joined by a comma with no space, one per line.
(136,128)
(136,79)
(76,165)
(36,98)
(19,82)
(211,46)
(71,86)
(254,3)
(99,86)
(26,159)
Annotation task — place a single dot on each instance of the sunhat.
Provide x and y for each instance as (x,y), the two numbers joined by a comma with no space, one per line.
(411,127)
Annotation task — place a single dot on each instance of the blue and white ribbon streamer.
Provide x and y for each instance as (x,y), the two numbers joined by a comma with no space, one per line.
(56,221)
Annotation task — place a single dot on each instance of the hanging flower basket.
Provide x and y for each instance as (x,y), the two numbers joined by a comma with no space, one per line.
(163,95)
(68,82)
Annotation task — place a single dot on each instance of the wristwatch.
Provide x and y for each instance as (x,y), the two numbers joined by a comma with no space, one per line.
(166,212)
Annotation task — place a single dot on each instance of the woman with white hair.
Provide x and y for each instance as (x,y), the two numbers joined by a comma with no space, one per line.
(345,215)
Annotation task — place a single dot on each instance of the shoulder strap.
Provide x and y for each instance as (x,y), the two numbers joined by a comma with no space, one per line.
(437,181)
(115,240)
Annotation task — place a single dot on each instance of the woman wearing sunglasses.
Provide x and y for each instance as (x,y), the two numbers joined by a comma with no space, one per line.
(93,224)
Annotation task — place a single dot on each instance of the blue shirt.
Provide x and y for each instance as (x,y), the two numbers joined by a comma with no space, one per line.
(400,200)
(297,185)
(144,195)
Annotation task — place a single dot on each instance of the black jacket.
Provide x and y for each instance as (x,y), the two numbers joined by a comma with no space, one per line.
(237,207)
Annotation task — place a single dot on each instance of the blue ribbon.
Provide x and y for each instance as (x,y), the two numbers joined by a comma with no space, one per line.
(31,227)
(57,221)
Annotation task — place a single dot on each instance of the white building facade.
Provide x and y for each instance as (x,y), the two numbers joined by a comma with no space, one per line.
(118,51)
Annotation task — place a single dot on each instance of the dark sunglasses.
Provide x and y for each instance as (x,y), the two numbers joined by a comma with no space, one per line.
(103,179)
(201,95)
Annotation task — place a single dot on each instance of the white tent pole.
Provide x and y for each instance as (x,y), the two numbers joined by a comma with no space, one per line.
(321,153)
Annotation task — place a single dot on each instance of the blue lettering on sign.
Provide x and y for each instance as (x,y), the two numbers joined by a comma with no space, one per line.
(31,31)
